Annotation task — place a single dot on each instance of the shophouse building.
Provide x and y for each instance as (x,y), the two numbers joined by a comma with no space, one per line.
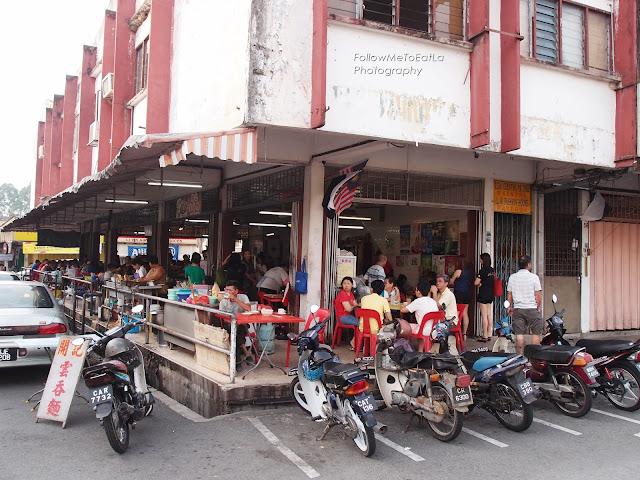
(488,125)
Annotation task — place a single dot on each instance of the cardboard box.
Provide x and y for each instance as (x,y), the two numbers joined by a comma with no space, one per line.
(216,361)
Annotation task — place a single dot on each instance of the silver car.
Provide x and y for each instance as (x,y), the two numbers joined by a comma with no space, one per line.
(31,324)
(8,276)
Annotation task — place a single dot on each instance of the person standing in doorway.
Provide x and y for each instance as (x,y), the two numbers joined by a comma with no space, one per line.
(194,273)
(524,293)
(461,282)
(376,271)
(485,296)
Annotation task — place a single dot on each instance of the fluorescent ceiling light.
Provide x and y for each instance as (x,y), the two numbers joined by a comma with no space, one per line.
(205,235)
(236,223)
(140,202)
(352,227)
(353,218)
(197,220)
(270,234)
(266,212)
(155,183)
(139,233)
(281,225)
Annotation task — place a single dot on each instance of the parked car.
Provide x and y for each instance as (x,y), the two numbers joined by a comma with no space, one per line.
(31,324)
(9,276)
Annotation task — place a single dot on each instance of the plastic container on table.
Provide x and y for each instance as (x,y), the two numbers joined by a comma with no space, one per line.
(133,318)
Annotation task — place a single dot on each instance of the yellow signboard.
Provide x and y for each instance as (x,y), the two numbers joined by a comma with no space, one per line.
(512,197)
(32,247)
(25,236)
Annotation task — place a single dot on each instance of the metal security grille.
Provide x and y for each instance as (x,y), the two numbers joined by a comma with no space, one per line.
(512,240)
(622,208)
(562,234)
(282,186)
(136,218)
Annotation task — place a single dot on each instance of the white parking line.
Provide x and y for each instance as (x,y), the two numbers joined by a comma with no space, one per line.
(399,448)
(295,459)
(620,417)
(485,438)
(557,427)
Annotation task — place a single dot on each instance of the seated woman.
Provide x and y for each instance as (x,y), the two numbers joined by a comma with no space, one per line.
(345,303)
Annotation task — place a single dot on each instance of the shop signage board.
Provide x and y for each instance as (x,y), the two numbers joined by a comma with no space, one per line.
(134,251)
(511,197)
(189,205)
(32,247)
(62,380)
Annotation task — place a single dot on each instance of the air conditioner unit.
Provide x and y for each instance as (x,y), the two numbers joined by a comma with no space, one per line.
(41,151)
(94,133)
(107,86)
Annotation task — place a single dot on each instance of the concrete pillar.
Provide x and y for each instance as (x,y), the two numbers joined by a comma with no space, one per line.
(111,246)
(87,114)
(108,55)
(68,128)
(585,267)
(39,165)
(46,162)
(159,73)
(312,235)
(56,144)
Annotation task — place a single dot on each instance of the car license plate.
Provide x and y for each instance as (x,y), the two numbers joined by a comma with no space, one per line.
(8,354)
(461,395)
(526,387)
(591,371)
(367,403)
(101,395)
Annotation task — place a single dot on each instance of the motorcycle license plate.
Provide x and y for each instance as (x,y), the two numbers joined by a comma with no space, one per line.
(366,403)
(591,371)
(8,354)
(461,395)
(526,387)
(102,394)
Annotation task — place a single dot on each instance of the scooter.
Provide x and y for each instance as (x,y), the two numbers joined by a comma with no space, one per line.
(117,385)
(431,386)
(333,392)
(617,361)
(565,376)
(505,341)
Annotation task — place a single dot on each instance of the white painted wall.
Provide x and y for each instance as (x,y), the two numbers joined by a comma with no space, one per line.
(209,65)
(280,63)
(429,103)
(566,116)
(139,118)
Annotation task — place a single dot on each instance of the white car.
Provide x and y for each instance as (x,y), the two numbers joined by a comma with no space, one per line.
(8,276)
(31,324)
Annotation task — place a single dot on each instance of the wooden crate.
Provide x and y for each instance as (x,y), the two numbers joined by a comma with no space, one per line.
(216,361)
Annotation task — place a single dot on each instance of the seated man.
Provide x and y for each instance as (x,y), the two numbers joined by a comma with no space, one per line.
(375,301)
(422,305)
(444,297)
(233,302)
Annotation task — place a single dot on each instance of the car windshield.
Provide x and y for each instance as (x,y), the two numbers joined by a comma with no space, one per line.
(24,296)
(8,276)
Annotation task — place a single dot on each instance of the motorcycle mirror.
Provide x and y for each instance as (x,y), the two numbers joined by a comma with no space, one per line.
(554,298)
(314,309)
(76,342)
(137,309)
(506,304)
(291,336)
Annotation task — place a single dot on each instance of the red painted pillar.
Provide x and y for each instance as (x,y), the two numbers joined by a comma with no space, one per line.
(87,114)
(319,64)
(46,162)
(510,75)
(108,55)
(56,144)
(68,128)
(159,72)
(124,76)
(625,41)
(479,73)
(39,163)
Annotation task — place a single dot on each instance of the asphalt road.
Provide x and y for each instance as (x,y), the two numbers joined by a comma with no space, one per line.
(280,444)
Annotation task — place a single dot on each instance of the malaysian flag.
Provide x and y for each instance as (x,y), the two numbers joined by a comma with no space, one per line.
(339,196)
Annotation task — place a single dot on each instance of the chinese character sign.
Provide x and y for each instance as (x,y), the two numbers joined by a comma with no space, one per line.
(63,377)
(512,197)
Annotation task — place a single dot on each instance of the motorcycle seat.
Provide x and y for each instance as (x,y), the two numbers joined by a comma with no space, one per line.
(551,353)
(340,374)
(599,348)
(429,361)
(479,361)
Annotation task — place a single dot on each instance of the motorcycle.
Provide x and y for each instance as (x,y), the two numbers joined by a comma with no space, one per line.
(333,392)
(617,362)
(565,376)
(431,386)
(117,384)
(500,386)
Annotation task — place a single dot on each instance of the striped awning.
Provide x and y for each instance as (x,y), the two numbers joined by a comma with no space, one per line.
(238,145)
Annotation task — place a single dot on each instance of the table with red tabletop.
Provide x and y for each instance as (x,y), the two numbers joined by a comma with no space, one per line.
(256,318)
(271,299)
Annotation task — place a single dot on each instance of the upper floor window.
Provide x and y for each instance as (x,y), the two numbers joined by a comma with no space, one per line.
(442,18)
(142,65)
(569,34)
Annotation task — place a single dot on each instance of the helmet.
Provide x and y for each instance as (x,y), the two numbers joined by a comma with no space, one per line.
(124,350)
(440,332)
(320,356)
(403,330)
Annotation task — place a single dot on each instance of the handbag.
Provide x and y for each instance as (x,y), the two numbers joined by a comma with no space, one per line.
(498,289)
(301,278)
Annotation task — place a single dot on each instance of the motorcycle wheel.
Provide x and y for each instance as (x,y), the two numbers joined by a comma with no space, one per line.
(298,395)
(510,409)
(626,396)
(365,440)
(582,399)
(451,425)
(117,431)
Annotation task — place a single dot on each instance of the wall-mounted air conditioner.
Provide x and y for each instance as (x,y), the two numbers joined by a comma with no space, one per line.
(107,86)
(41,151)
(94,133)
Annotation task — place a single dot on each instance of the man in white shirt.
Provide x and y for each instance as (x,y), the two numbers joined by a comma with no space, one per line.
(422,305)
(274,280)
(376,271)
(139,268)
(524,293)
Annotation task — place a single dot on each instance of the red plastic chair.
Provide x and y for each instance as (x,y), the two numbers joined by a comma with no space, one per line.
(436,317)
(337,332)
(457,330)
(319,316)
(367,315)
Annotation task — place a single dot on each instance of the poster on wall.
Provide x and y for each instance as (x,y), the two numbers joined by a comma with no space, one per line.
(439,264)
(415,238)
(426,239)
(189,205)
(405,239)
(426,265)
(450,264)
(400,261)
